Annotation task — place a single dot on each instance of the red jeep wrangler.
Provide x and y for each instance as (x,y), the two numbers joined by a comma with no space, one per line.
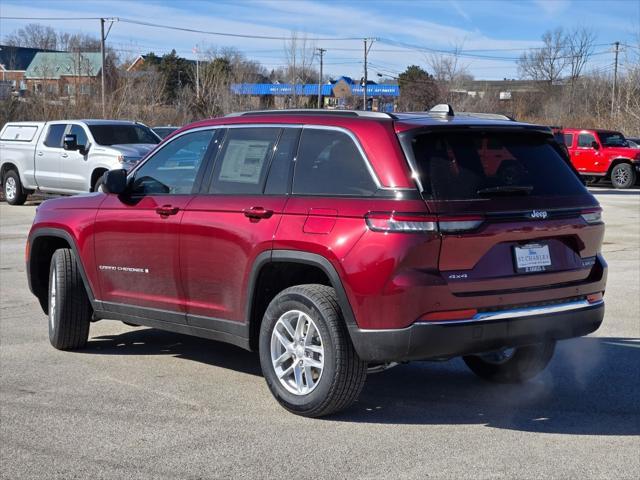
(335,243)
(600,154)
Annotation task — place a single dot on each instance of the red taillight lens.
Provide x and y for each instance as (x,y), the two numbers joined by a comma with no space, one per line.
(592,216)
(449,315)
(400,222)
(418,222)
(594,297)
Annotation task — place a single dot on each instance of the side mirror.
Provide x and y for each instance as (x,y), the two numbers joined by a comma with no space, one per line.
(70,142)
(595,145)
(114,181)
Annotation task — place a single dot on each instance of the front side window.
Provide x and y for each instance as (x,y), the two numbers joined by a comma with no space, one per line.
(54,136)
(585,140)
(329,163)
(81,135)
(173,169)
(241,166)
(116,134)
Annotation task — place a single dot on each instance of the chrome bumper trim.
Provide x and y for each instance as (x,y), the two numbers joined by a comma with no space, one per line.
(516,313)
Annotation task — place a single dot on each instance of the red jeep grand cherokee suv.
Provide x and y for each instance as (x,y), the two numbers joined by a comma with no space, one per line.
(334,243)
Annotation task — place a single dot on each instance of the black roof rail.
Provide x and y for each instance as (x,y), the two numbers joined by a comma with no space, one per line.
(316,111)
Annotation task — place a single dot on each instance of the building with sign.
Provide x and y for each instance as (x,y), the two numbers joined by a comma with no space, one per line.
(343,93)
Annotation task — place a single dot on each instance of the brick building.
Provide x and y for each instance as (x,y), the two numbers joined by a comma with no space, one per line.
(64,74)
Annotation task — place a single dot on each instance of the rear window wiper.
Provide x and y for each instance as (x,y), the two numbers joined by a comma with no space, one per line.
(506,190)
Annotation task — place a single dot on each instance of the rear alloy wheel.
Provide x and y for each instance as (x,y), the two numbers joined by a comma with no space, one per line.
(306,354)
(512,365)
(13,191)
(623,175)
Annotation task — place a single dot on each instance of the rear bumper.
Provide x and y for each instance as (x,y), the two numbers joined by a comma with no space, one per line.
(485,332)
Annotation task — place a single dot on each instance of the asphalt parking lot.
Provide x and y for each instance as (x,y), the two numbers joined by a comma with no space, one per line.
(141,403)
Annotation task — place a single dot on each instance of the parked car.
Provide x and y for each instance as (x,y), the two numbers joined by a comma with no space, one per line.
(164,132)
(598,154)
(67,156)
(335,243)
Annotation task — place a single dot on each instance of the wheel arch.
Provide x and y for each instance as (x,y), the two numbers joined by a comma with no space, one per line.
(618,161)
(42,244)
(95,174)
(299,267)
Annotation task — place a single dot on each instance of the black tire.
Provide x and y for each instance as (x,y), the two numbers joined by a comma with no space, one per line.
(523,364)
(343,374)
(69,307)
(623,175)
(14,193)
(97,185)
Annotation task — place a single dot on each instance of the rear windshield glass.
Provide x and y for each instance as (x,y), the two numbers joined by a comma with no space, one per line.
(476,165)
(122,134)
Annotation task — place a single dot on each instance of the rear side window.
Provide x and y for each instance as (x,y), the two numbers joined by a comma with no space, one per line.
(282,163)
(568,139)
(19,133)
(329,163)
(54,136)
(456,166)
(241,166)
(585,140)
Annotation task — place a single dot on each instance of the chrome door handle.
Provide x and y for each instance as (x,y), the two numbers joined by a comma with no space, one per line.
(40,154)
(64,155)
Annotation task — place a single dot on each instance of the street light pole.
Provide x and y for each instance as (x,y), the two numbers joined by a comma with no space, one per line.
(321,50)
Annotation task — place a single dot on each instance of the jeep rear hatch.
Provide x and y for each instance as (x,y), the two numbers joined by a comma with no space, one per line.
(521,208)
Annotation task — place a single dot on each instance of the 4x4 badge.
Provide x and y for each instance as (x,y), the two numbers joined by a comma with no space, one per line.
(539,214)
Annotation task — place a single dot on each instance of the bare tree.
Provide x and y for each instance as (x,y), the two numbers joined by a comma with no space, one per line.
(548,62)
(299,55)
(33,35)
(449,71)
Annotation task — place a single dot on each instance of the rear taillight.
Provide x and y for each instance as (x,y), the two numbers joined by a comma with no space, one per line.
(417,222)
(400,222)
(592,216)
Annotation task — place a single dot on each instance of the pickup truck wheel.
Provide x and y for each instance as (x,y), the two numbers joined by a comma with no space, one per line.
(623,175)
(306,354)
(69,307)
(13,191)
(512,365)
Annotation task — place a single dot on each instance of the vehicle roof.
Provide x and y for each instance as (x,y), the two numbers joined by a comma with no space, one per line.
(598,130)
(91,121)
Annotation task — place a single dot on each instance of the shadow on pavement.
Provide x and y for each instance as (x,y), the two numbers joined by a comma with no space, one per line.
(149,341)
(591,387)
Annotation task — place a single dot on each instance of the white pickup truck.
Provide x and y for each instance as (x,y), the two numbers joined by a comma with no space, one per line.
(67,156)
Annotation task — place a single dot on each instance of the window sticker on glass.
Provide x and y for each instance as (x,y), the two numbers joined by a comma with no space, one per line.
(243,161)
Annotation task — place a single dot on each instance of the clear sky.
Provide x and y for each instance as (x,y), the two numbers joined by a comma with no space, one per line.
(492,33)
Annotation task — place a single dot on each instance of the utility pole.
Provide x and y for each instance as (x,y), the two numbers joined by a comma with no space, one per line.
(321,50)
(615,79)
(103,39)
(195,50)
(364,86)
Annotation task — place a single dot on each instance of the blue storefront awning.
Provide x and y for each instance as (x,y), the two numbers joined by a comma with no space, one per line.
(310,89)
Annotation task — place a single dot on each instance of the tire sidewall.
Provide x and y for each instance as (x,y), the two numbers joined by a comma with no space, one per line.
(54,276)
(18,193)
(297,403)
